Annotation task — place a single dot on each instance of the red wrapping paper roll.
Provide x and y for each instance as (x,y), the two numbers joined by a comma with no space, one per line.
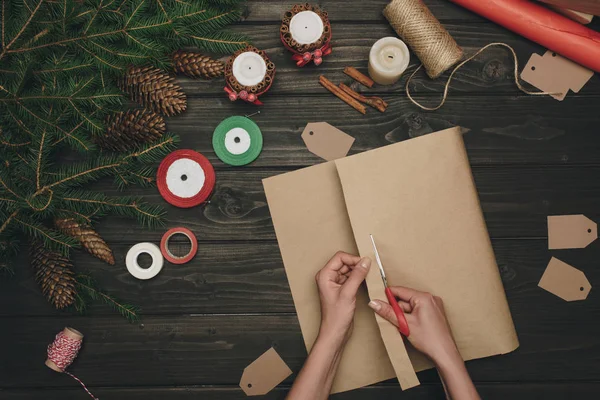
(543,26)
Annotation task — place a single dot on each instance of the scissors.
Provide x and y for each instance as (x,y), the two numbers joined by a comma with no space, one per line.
(402,324)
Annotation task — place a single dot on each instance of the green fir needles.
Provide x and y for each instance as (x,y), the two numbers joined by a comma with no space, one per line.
(60,62)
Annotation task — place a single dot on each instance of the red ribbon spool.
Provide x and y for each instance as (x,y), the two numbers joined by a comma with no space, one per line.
(203,193)
(164,245)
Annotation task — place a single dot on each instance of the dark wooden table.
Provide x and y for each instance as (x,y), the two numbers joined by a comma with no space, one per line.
(203,322)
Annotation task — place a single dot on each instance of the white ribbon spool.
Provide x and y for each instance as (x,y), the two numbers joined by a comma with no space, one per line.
(185,178)
(237,141)
(249,68)
(306,27)
(131,260)
(388,59)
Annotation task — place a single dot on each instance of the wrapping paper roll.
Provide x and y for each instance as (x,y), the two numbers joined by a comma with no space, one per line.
(543,26)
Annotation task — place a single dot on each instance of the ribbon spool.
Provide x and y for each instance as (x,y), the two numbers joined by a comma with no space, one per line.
(63,351)
(237,141)
(166,252)
(131,260)
(249,73)
(185,178)
(305,31)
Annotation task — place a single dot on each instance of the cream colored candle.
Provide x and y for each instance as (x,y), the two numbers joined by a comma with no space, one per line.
(249,68)
(306,27)
(388,59)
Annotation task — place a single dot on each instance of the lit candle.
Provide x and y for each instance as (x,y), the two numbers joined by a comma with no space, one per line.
(306,27)
(388,59)
(249,68)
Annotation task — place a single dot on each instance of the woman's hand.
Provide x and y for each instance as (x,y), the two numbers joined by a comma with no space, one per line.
(429,329)
(431,335)
(338,283)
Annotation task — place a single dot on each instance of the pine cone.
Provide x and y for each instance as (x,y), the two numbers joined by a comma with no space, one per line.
(127,130)
(196,65)
(54,273)
(154,89)
(89,238)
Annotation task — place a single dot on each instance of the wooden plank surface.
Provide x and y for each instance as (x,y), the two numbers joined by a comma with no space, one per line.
(214,349)
(238,278)
(489,391)
(206,320)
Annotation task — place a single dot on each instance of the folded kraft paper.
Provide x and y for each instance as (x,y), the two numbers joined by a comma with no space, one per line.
(419,200)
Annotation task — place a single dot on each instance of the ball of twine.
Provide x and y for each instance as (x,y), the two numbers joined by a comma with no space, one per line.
(428,39)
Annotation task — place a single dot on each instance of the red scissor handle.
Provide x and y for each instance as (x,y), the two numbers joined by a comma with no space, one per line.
(402,324)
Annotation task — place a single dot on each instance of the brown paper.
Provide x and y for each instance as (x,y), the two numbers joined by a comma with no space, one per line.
(266,372)
(326,141)
(578,16)
(555,74)
(418,199)
(565,281)
(311,223)
(587,6)
(571,231)
(425,213)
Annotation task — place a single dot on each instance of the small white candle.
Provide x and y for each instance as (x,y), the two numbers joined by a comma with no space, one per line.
(249,68)
(306,27)
(388,59)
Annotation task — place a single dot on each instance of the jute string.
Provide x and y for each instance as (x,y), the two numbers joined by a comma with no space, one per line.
(447,86)
(427,38)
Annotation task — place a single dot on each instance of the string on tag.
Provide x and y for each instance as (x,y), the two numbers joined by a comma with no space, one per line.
(63,351)
(447,86)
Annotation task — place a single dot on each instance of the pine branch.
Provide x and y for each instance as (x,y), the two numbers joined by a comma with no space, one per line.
(87,202)
(88,289)
(51,239)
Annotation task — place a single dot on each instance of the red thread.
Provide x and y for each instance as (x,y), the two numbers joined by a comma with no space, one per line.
(198,198)
(62,352)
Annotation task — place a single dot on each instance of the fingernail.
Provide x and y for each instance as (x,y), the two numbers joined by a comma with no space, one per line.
(374,305)
(365,262)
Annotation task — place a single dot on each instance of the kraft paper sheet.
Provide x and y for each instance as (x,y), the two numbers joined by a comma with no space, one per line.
(419,201)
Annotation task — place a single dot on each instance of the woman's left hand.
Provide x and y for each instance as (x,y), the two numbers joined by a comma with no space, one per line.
(338,283)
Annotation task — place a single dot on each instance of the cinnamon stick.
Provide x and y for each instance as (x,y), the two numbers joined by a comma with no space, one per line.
(359,76)
(345,97)
(375,102)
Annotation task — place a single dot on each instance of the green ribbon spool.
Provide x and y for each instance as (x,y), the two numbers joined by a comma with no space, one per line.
(237,141)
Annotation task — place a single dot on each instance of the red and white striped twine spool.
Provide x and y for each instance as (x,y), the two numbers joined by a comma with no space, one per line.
(63,351)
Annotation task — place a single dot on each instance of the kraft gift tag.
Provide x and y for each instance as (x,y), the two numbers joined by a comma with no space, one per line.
(555,74)
(570,231)
(264,373)
(565,281)
(326,141)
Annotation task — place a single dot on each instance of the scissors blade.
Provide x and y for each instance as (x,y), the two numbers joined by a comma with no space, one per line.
(379,261)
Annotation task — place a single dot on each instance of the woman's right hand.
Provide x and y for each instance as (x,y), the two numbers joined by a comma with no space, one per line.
(429,329)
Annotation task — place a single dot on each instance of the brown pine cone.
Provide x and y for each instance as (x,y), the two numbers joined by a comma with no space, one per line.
(154,89)
(196,65)
(54,273)
(125,131)
(89,238)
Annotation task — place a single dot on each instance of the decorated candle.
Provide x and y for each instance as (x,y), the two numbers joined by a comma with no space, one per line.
(306,27)
(388,59)
(249,68)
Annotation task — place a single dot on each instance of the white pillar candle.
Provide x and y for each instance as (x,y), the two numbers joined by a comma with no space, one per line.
(306,27)
(249,68)
(388,59)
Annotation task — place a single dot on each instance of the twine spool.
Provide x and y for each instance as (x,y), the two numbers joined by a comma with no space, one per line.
(427,38)
(63,351)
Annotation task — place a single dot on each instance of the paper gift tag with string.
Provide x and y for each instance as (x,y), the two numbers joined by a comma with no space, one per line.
(555,74)
(264,373)
(570,231)
(565,281)
(326,141)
